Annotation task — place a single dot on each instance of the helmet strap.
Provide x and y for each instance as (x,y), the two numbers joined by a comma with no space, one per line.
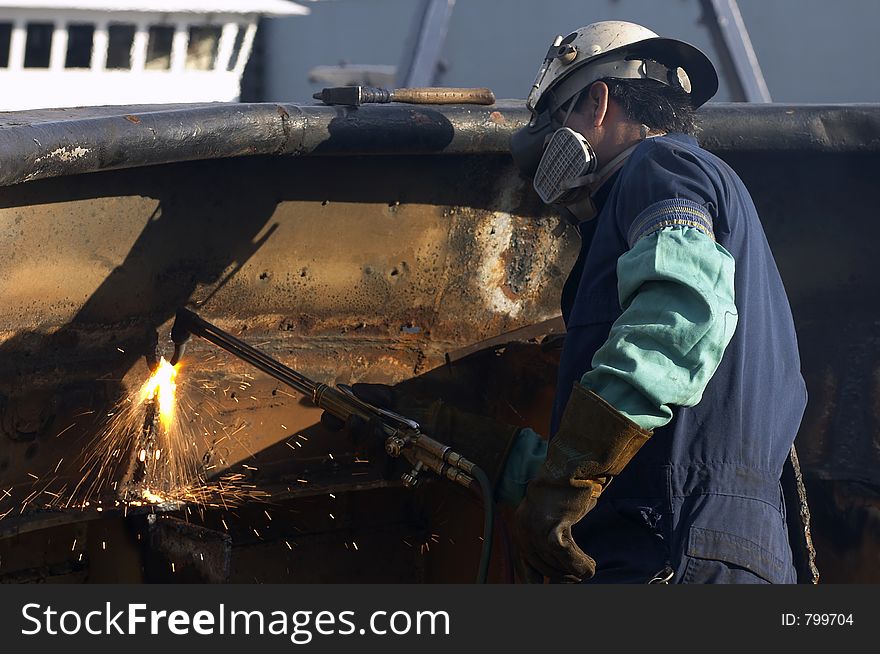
(575,99)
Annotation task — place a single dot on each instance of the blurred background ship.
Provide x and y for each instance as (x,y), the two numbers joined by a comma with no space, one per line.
(69,53)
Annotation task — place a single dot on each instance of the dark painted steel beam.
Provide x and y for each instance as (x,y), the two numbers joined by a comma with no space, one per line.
(421,60)
(53,143)
(737,56)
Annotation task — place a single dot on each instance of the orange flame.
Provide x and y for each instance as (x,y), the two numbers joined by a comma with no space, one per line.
(162,387)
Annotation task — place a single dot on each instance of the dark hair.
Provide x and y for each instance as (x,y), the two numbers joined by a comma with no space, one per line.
(652,103)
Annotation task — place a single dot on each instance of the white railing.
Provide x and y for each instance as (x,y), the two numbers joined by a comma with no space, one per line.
(203,62)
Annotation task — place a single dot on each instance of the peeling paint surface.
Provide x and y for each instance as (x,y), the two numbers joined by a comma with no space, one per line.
(64,154)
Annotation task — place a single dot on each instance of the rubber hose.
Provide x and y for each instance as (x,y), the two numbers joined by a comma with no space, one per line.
(488,523)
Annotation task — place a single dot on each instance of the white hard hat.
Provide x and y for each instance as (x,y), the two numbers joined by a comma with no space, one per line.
(619,50)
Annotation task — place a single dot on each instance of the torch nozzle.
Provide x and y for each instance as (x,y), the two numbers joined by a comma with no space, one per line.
(181,332)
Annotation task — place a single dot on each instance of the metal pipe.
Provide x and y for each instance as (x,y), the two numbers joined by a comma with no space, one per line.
(112,138)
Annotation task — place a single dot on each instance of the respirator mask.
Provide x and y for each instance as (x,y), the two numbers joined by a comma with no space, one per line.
(561,162)
(563,167)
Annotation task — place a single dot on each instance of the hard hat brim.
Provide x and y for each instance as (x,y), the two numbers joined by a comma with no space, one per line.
(672,53)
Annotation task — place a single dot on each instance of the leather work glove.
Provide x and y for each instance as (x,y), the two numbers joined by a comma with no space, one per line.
(481,439)
(593,444)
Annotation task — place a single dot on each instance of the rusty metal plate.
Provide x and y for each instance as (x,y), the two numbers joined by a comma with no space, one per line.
(408,238)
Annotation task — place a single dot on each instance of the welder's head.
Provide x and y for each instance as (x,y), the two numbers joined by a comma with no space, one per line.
(607,51)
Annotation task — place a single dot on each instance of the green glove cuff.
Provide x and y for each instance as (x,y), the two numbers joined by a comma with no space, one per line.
(527,455)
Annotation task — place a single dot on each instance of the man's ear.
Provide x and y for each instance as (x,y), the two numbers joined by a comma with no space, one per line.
(598,103)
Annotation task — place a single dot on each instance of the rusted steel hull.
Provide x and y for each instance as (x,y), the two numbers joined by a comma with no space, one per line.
(362,245)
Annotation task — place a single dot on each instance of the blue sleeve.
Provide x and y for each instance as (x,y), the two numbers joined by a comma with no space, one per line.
(665,185)
(676,288)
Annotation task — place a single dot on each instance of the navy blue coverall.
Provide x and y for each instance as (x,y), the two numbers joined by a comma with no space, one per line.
(703,496)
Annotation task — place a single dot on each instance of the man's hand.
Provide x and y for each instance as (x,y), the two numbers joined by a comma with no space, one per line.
(543,532)
(364,433)
(593,444)
(384,397)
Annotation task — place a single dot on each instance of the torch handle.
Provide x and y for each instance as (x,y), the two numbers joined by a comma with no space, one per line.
(339,403)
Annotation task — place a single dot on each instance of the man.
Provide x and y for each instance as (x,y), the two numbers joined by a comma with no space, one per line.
(680,376)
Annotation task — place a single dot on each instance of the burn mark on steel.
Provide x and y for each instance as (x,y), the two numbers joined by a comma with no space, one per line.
(516,261)
(196,553)
(285,125)
(25,416)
